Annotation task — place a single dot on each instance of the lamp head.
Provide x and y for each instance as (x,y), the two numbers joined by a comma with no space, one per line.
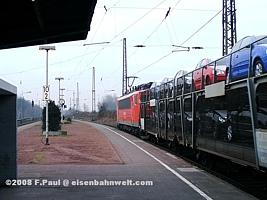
(47,48)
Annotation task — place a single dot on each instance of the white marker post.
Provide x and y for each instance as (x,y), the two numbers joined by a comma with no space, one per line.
(46,98)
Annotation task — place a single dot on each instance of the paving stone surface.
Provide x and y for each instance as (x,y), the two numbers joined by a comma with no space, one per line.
(83,145)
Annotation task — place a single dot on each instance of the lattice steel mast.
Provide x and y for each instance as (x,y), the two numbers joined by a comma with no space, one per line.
(93,92)
(78,98)
(229,25)
(124,71)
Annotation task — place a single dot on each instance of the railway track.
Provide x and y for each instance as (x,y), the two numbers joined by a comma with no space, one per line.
(245,178)
(21,122)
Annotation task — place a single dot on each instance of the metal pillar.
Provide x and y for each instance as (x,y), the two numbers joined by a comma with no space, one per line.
(93,93)
(77,99)
(46,48)
(61,103)
(59,79)
(253,111)
(47,102)
(74,106)
(124,71)
(59,96)
(229,25)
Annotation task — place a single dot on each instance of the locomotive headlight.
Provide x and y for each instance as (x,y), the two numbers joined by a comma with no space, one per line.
(222,120)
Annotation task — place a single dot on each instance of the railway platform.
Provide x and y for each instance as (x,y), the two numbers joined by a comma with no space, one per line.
(100,162)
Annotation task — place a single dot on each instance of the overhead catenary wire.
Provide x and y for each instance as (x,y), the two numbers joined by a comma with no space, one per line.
(136,21)
(120,33)
(110,45)
(52,64)
(154,62)
(157,27)
(190,37)
(169,32)
(90,63)
(99,25)
(155,30)
(166,15)
(125,29)
(148,8)
(102,19)
(70,59)
(97,29)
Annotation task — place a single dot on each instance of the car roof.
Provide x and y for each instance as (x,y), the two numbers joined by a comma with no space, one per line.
(255,38)
(260,37)
(207,61)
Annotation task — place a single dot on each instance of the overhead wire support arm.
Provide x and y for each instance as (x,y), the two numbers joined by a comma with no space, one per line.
(167,14)
(183,48)
(131,84)
(96,43)
(105,8)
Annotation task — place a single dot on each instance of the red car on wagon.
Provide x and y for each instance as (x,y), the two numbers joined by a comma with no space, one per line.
(204,73)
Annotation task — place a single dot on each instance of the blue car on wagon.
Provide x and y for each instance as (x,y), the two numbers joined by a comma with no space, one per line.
(240,57)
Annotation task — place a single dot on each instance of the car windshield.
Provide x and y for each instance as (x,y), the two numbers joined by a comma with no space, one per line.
(180,73)
(221,113)
(221,67)
(203,62)
(263,41)
(188,78)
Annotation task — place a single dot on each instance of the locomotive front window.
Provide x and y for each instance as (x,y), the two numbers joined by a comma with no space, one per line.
(124,103)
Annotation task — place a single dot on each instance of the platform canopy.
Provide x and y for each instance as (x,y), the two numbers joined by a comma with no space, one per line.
(35,22)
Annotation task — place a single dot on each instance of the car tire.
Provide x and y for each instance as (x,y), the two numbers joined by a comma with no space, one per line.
(229,133)
(258,67)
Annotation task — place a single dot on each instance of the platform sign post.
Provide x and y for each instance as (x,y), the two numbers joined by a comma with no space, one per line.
(46,91)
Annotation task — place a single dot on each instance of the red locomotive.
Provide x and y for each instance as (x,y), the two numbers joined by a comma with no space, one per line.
(129,109)
(128,113)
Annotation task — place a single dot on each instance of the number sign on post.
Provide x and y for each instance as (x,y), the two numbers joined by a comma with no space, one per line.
(46,93)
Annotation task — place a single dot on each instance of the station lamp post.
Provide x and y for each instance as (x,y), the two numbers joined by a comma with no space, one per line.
(59,96)
(61,102)
(46,90)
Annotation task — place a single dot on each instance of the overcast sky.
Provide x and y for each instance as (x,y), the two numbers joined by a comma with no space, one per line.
(141,22)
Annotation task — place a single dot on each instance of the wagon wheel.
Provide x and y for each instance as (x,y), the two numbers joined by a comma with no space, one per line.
(258,67)
(229,133)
